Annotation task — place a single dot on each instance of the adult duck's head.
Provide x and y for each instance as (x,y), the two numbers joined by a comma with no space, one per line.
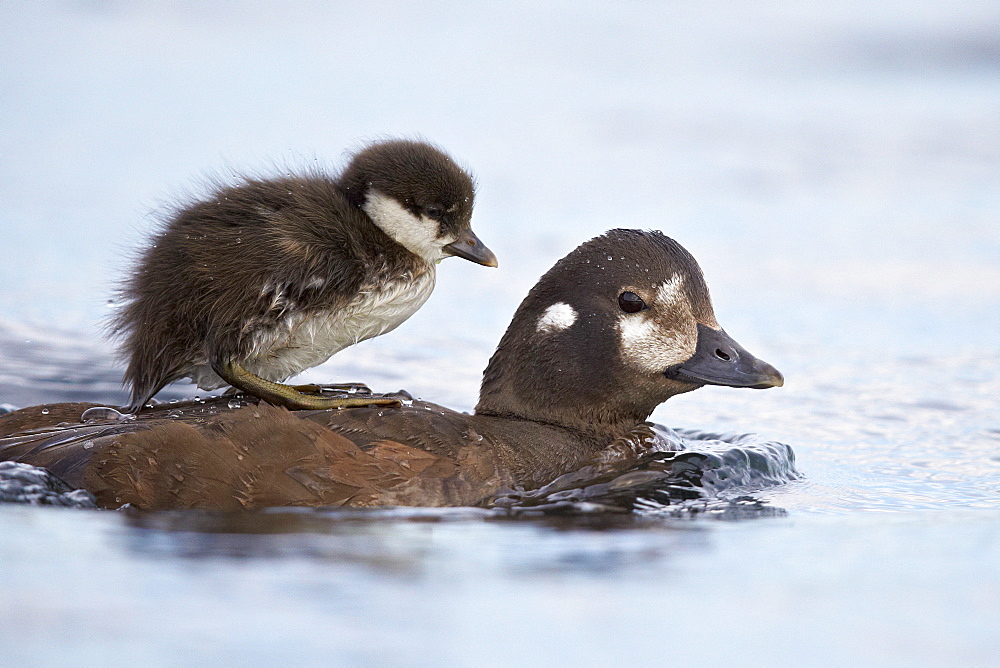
(615,328)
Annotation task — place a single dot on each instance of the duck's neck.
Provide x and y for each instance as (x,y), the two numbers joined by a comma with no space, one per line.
(596,414)
(597,427)
(537,452)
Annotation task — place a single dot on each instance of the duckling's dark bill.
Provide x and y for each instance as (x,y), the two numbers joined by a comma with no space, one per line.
(468,246)
(719,360)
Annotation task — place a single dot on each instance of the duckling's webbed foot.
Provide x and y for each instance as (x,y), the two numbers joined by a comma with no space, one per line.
(288,396)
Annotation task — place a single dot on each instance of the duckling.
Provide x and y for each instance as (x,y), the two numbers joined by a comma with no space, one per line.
(618,326)
(263,280)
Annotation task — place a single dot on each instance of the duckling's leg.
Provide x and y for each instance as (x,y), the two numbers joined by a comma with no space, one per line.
(313,388)
(286,395)
(350,388)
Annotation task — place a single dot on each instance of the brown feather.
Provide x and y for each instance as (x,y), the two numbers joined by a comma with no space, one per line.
(211,456)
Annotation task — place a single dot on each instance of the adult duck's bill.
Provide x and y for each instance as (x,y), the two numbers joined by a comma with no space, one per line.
(719,360)
(469,247)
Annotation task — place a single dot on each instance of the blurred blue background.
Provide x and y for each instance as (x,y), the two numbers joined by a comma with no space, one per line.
(818,158)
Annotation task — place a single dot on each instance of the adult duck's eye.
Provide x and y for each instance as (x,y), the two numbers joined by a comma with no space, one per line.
(630,302)
(432,211)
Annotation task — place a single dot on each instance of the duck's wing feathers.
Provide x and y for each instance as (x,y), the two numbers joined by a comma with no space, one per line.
(207,455)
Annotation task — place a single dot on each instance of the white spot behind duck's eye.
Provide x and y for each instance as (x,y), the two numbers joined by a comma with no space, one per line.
(671,290)
(556,318)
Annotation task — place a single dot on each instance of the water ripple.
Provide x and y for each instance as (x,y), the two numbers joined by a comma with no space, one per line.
(702,473)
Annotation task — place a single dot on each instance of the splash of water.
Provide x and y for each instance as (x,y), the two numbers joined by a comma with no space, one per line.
(688,473)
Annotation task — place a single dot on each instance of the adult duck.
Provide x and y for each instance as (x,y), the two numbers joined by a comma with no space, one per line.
(618,326)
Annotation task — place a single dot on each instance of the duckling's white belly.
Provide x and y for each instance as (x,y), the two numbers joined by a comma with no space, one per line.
(304,340)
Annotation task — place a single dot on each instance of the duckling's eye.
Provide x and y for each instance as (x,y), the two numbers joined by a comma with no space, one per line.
(432,211)
(631,302)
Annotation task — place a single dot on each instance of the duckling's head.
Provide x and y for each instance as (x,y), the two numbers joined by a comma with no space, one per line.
(418,196)
(615,328)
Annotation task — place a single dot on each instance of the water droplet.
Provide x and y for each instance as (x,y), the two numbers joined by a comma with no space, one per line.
(610,258)
(87,445)
(101,414)
(45,411)
(235,403)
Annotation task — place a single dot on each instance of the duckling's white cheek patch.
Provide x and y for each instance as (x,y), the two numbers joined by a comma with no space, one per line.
(556,318)
(416,234)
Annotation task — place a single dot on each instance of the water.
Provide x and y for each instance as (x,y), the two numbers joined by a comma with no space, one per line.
(834,167)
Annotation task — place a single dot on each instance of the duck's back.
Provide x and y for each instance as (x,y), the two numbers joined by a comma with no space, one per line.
(205,455)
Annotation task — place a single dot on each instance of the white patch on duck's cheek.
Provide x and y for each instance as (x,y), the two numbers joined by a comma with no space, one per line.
(647,346)
(556,318)
(417,234)
(664,335)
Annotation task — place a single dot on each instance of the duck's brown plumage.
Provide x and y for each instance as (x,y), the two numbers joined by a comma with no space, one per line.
(575,376)
(207,455)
